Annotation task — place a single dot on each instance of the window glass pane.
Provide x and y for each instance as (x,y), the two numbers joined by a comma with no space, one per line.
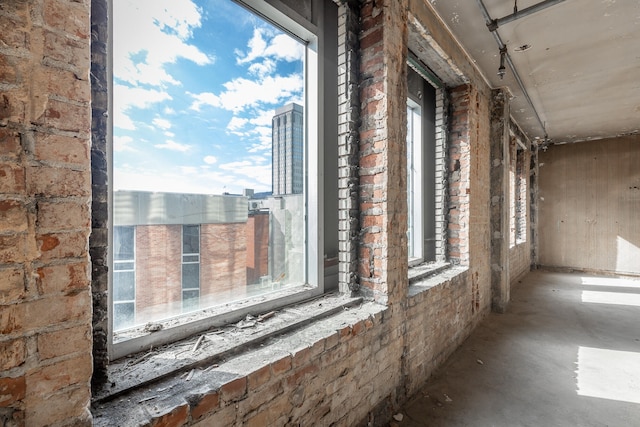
(190,276)
(123,315)
(190,300)
(123,243)
(124,286)
(208,154)
(190,239)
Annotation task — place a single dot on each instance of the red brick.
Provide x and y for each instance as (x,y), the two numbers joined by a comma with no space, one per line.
(300,375)
(14,36)
(12,248)
(175,418)
(234,390)
(63,278)
(68,85)
(48,379)
(9,139)
(63,342)
(13,216)
(207,404)
(259,377)
(58,182)
(12,285)
(70,17)
(281,366)
(63,149)
(33,315)
(67,50)
(12,353)
(12,178)
(371,39)
(63,245)
(12,106)
(67,116)
(65,405)
(8,70)
(62,216)
(12,390)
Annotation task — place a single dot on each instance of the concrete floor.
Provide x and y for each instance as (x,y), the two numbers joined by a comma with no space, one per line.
(566,353)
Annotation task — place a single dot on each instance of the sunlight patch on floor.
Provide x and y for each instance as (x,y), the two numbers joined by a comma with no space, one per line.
(608,374)
(616,298)
(613,282)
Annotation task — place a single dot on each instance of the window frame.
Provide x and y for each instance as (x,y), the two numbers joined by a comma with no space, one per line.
(315,76)
(189,262)
(430,206)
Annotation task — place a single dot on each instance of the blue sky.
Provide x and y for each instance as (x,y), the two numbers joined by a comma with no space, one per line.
(196,84)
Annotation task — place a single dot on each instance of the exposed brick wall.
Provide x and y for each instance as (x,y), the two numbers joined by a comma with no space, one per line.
(383,186)
(361,367)
(348,144)
(45,190)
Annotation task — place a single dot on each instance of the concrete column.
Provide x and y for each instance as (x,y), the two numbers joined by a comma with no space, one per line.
(499,141)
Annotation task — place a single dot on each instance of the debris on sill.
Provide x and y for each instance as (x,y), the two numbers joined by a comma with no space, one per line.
(207,350)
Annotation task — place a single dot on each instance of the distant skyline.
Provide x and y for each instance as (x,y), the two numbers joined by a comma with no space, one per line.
(196,85)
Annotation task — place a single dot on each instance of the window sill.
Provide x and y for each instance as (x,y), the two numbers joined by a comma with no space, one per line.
(433,275)
(427,269)
(209,384)
(212,347)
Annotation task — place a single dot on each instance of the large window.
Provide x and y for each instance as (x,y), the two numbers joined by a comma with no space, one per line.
(421,170)
(218,125)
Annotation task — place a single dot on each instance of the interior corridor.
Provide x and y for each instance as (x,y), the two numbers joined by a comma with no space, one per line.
(566,353)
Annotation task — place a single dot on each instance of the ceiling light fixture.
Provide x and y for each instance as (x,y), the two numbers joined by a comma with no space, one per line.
(502,70)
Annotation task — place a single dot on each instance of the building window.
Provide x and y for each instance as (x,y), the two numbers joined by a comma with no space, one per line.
(517,193)
(521,196)
(422,166)
(217,122)
(124,277)
(190,267)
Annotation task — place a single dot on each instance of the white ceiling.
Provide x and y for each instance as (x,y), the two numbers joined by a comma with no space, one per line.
(582,70)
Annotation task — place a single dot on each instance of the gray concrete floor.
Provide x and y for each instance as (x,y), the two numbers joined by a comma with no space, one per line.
(566,353)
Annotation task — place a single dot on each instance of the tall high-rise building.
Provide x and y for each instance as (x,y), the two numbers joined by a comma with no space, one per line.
(287,137)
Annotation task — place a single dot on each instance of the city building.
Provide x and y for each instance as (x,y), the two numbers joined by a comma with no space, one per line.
(288,150)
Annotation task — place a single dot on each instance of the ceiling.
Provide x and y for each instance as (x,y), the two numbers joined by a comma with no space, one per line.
(579,62)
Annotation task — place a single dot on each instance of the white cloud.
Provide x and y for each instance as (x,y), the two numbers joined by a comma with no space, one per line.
(264,45)
(123,143)
(241,93)
(210,160)
(126,98)
(204,98)
(149,34)
(173,146)
(263,68)
(237,123)
(250,175)
(163,124)
(188,170)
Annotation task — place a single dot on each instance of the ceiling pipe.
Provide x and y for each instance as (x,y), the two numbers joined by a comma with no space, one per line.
(512,67)
(495,23)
